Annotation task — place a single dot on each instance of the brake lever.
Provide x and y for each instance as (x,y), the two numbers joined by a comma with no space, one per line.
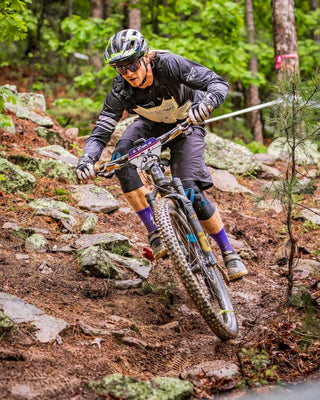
(99,170)
(186,127)
(107,175)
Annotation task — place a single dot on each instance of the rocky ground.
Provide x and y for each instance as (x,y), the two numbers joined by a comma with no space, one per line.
(153,330)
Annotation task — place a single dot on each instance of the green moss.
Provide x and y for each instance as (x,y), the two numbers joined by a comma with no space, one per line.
(311,327)
(125,387)
(95,261)
(6,325)
(60,191)
(122,387)
(46,168)
(14,179)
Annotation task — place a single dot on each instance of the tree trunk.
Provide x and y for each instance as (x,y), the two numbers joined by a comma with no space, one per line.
(70,8)
(154,6)
(97,12)
(313,7)
(285,38)
(126,15)
(34,45)
(97,9)
(106,9)
(135,16)
(252,95)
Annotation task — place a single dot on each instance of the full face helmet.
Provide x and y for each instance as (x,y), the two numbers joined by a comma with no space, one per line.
(125,47)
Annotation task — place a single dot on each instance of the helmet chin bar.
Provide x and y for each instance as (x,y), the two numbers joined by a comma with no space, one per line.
(145,78)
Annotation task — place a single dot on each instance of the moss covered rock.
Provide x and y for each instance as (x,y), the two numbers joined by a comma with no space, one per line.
(36,242)
(13,179)
(224,154)
(6,325)
(95,261)
(128,388)
(54,169)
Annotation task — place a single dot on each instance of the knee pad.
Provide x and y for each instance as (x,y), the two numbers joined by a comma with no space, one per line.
(121,148)
(128,176)
(203,207)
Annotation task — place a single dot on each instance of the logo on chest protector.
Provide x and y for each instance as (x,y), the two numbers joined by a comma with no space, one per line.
(167,112)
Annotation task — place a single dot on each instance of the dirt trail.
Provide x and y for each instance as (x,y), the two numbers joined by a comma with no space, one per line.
(145,332)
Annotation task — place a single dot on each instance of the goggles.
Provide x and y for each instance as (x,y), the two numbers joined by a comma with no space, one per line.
(132,67)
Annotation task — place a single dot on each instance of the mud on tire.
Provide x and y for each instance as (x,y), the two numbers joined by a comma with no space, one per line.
(206,289)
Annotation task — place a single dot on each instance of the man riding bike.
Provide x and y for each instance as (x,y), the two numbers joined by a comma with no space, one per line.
(162,89)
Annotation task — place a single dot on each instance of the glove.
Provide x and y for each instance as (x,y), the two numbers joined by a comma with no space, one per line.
(85,168)
(199,112)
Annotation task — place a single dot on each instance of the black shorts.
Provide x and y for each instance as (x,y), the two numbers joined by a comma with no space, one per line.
(187,160)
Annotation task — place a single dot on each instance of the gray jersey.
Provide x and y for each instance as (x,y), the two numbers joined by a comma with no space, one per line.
(178,83)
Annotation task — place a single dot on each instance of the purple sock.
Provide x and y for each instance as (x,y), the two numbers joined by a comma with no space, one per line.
(222,241)
(146,216)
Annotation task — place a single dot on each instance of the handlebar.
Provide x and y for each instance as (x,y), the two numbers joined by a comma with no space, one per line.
(107,170)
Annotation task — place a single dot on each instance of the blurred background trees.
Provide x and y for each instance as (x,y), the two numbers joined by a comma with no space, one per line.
(57,47)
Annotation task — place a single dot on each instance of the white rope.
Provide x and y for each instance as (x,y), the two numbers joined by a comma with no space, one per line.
(245,110)
(311,104)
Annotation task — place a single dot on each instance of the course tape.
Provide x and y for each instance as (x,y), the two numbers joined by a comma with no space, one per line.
(245,110)
(311,104)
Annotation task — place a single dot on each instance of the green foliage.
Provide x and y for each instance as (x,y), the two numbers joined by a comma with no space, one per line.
(217,30)
(4,121)
(294,122)
(60,191)
(77,113)
(315,252)
(5,95)
(257,147)
(302,299)
(301,99)
(12,24)
(307,24)
(90,33)
(309,226)
(211,33)
(254,147)
(234,129)
(63,194)
(258,370)
(79,150)
(149,288)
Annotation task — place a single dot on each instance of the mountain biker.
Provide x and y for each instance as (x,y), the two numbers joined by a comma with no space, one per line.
(162,89)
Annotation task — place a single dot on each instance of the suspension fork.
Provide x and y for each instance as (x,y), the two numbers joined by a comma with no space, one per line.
(194,222)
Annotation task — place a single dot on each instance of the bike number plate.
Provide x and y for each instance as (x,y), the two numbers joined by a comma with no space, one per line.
(142,154)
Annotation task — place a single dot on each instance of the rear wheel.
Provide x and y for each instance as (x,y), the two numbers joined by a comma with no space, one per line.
(204,283)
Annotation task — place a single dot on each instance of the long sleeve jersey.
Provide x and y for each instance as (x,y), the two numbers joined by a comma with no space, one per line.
(178,83)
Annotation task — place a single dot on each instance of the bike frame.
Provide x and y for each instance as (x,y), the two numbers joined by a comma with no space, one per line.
(178,195)
(162,184)
(187,244)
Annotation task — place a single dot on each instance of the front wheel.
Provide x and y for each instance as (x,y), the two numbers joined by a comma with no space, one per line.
(203,282)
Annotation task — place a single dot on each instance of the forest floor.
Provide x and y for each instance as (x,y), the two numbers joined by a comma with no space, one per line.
(167,335)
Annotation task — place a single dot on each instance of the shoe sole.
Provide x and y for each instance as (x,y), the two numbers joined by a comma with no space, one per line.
(160,254)
(237,275)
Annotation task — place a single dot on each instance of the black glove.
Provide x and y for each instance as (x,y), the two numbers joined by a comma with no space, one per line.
(199,112)
(85,168)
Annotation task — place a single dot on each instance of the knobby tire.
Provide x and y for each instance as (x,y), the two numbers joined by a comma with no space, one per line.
(205,285)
